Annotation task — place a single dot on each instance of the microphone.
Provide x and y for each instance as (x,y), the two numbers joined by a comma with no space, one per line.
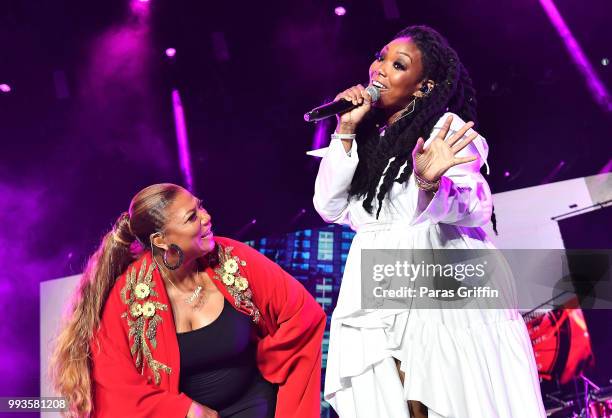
(337,107)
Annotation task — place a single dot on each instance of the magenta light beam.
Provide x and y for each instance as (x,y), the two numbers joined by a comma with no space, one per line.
(182,140)
(140,8)
(320,135)
(553,173)
(598,90)
(606,168)
(300,213)
(245,228)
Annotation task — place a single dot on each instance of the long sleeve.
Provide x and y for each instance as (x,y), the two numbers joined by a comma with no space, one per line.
(333,181)
(464,197)
(119,389)
(290,355)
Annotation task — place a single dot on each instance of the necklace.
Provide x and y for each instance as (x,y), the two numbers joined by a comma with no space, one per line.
(195,295)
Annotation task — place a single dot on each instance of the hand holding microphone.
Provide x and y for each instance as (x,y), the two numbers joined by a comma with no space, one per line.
(351,105)
(362,100)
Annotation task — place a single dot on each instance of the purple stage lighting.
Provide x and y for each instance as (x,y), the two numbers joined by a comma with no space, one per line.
(340,11)
(182,140)
(140,8)
(297,216)
(170,52)
(391,10)
(220,48)
(597,88)
(506,174)
(605,62)
(245,228)
(321,133)
(5,88)
(553,173)
(606,168)
(61,85)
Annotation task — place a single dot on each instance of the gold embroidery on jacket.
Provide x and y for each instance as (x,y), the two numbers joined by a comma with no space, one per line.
(142,318)
(228,272)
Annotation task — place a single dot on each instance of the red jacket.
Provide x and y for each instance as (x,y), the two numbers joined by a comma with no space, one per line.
(144,382)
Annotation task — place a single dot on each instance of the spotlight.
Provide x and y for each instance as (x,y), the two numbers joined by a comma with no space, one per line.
(170,52)
(340,11)
(506,174)
(140,8)
(5,88)
(605,62)
(254,221)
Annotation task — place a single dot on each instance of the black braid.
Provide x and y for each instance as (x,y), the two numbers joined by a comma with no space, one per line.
(453,92)
(494,220)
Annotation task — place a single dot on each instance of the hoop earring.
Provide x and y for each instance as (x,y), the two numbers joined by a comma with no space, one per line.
(181,256)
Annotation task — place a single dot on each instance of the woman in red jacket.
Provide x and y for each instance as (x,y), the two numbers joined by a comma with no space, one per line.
(169,321)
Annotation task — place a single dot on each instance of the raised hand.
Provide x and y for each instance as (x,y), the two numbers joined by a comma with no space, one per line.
(430,164)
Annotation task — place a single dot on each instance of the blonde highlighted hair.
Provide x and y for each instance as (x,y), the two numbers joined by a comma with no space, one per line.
(70,365)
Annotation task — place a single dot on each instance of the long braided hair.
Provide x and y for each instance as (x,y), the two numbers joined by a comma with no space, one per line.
(453,92)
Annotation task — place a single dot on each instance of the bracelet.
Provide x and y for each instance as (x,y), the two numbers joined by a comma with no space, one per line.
(342,136)
(426,185)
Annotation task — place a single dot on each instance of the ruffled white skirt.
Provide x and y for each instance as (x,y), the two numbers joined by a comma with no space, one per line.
(460,363)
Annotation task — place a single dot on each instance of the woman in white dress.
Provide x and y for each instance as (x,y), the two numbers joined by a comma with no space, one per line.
(398,191)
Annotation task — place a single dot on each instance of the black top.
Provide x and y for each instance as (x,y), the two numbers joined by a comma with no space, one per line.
(218,367)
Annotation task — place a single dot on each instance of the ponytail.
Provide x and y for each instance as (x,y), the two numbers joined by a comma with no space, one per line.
(70,367)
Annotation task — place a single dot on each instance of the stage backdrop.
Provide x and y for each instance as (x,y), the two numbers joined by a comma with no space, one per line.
(54,298)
